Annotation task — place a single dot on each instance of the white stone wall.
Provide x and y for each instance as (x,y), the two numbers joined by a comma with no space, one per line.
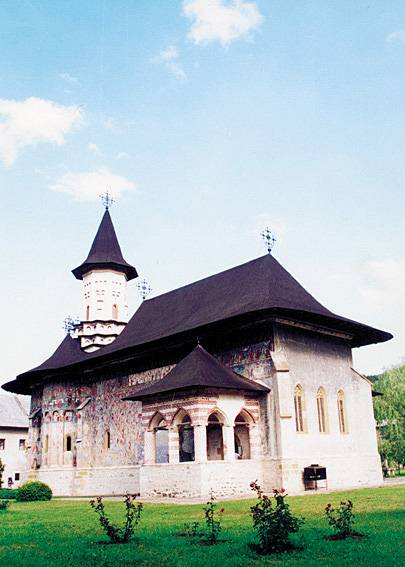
(351,458)
(12,456)
(94,481)
(196,480)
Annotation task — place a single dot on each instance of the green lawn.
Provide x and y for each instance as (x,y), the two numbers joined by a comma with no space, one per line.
(67,533)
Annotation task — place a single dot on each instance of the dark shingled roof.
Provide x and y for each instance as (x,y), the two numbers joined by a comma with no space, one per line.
(199,369)
(105,252)
(261,286)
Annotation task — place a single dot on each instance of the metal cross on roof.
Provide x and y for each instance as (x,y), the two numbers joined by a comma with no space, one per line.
(269,239)
(107,200)
(144,289)
(69,324)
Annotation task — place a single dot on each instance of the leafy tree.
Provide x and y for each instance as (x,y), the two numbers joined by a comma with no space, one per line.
(390,414)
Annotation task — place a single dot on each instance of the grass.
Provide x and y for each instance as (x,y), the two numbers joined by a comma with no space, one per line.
(67,533)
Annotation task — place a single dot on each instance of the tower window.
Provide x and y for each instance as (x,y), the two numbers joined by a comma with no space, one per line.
(87,312)
(21,444)
(107,440)
(2,444)
(115,311)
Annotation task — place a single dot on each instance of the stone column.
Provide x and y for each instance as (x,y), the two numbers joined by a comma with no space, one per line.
(200,443)
(229,442)
(173,444)
(255,442)
(149,447)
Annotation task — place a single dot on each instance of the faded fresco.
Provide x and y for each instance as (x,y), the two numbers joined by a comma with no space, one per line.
(103,429)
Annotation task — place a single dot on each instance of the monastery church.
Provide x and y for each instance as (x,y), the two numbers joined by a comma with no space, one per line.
(240,376)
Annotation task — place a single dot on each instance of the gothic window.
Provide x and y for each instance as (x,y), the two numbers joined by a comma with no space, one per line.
(161,442)
(88,313)
(342,412)
(21,444)
(215,441)
(299,408)
(242,438)
(107,440)
(68,443)
(115,311)
(186,440)
(322,412)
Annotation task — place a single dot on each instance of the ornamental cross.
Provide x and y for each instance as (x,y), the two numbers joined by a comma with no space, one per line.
(107,200)
(269,239)
(69,324)
(144,289)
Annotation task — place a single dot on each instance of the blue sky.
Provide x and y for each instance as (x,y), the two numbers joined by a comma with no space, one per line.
(208,120)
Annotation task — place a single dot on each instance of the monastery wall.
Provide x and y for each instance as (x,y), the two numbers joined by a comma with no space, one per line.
(351,458)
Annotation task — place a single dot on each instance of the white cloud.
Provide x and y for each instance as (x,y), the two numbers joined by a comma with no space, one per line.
(169,57)
(94,149)
(122,155)
(396,36)
(68,78)
(88,185)
(32,121)
(221,20)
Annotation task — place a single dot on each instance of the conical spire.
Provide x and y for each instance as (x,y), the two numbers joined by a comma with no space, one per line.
(105,252)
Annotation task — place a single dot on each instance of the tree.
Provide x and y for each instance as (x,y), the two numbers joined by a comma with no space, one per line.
(390,414)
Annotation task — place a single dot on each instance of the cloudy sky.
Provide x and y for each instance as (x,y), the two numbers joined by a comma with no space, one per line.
(207,120)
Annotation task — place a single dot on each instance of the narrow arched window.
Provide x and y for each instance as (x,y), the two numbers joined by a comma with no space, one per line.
(299,408)
(88,313)
(115,311)
(107,440)
(46,443)
(186,440)
(215,441)
(161,442)
(68,443)
(322,413)
(342,412)
(241,437)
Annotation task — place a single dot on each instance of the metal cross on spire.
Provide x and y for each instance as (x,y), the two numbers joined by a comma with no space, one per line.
(144,289)
(107,200)
(269,239)
(70,324)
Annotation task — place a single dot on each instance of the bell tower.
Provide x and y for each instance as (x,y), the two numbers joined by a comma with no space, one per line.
(104,274)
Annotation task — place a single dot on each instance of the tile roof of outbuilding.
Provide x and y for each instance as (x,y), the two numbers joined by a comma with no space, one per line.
(13,412)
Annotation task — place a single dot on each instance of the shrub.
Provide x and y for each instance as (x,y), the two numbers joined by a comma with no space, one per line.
(273,525)
(4,504)
(341,519)
(212,520)
(132,517)
(8,493)
(34,490)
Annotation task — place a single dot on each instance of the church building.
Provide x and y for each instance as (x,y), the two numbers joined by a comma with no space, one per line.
(240,376)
